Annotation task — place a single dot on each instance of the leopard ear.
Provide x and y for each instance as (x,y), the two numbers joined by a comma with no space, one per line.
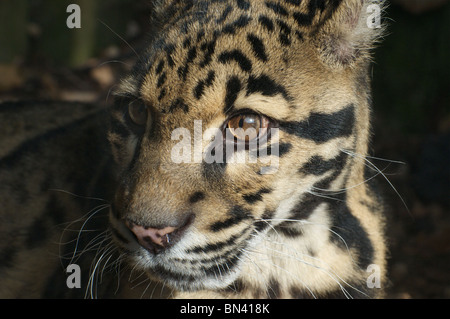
(349,32)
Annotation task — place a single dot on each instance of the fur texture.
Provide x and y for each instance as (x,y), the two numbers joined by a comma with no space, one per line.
(297,220)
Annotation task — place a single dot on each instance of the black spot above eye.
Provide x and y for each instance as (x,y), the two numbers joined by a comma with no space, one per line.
(197,196)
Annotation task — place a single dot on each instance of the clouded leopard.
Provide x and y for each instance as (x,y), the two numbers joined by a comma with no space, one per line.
(232,164)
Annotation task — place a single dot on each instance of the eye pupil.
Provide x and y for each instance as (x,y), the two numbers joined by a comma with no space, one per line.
(241,122)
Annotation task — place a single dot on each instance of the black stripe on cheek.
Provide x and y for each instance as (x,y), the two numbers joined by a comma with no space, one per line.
(351,233)
(233,88)
(306,206)
(236,55)
(225,267)
(214,247)
(317,165)
(321,128)
(289,229)
(165,273)
(275,150)
(238,214)
(265,221)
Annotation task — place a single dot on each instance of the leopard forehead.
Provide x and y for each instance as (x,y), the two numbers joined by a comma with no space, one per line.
(214,56)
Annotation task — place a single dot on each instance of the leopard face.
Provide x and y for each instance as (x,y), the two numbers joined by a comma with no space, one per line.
(235,139)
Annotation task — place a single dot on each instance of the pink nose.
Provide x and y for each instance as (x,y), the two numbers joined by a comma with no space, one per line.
(154,240)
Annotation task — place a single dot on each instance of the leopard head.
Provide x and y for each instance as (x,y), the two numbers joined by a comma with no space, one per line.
(238,119)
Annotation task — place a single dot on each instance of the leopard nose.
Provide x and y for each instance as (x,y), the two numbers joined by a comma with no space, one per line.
(155,240)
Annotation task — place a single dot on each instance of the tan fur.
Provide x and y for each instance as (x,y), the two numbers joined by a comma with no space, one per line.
(310,227)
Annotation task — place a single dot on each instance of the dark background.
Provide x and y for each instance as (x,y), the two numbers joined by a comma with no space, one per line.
(40,58)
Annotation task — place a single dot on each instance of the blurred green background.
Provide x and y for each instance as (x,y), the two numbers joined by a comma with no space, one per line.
(40,25)
(40,58)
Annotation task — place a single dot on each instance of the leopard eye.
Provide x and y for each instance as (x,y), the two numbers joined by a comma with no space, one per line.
(247,127)
(138,113)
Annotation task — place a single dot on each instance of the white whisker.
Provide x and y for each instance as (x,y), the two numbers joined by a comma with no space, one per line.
(95,211)
(374,167)
(121,38)
(146,288)
(78,196)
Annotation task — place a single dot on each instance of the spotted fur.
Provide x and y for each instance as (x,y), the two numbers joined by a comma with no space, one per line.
(310,226)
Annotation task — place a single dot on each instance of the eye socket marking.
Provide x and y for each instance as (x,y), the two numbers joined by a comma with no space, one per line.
(246,127)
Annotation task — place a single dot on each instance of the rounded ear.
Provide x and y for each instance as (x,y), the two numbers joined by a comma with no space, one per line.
(350,32)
